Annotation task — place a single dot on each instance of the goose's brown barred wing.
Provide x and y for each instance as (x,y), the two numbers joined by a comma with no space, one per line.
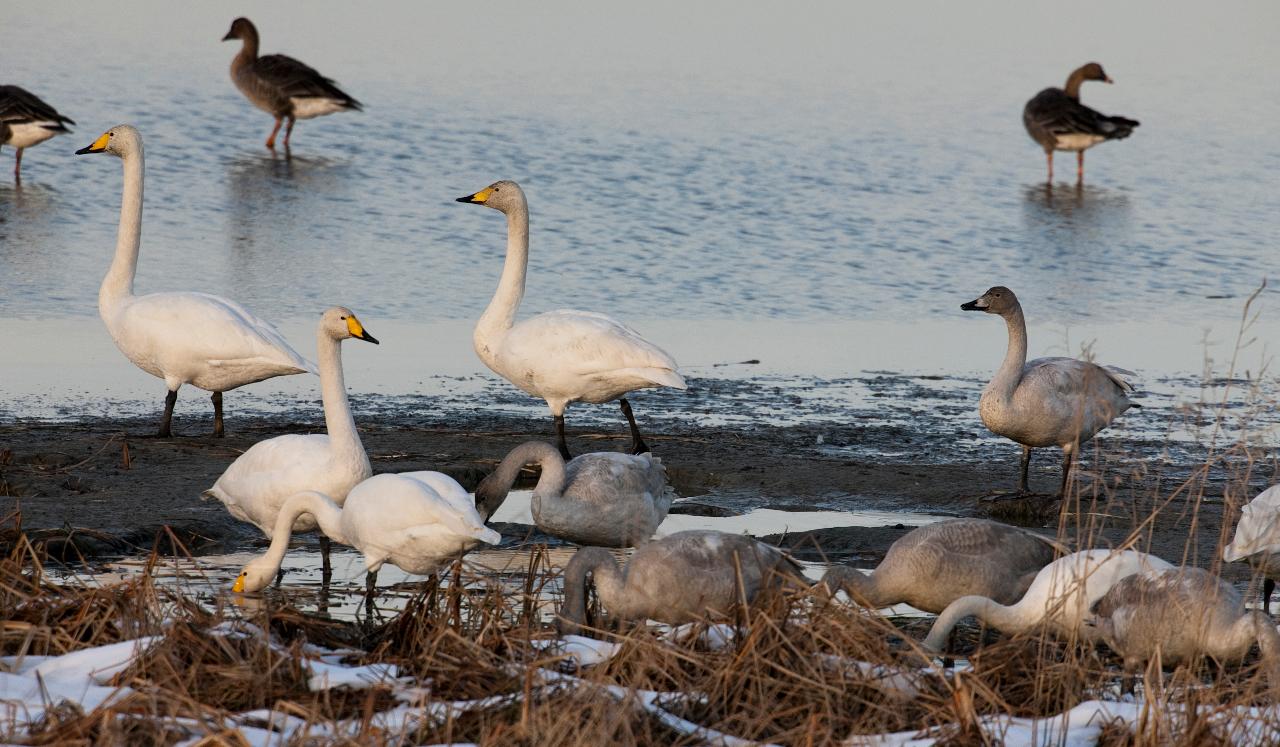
(288,78)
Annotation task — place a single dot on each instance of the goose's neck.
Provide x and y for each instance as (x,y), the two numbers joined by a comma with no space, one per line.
(325,511)
(501,313)
(1264,630)
(1072,88)
(862,588)
(118,283)
(493,490)
(609,584)
(1009,375)
(998,616)
(249,50)
(333,393)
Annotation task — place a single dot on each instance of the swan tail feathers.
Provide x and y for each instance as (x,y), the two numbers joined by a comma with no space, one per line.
(659,376)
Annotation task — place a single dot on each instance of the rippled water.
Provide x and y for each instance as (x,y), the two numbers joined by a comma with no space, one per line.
(831,164)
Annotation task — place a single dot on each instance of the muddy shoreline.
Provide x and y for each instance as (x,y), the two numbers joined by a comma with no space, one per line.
(113,490)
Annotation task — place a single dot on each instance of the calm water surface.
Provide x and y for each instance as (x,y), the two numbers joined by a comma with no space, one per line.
(853,173)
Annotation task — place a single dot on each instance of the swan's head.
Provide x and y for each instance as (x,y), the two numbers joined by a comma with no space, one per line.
(340,324)
(121,140)
(505,195)
(1094,71)
(241,28)
(255,576)
(998,300)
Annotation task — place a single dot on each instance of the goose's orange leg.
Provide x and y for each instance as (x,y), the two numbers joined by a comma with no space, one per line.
(271,139)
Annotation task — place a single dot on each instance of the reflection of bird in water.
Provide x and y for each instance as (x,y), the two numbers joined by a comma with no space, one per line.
(282,86)
(1057,120)
(1047,401)
(26,120)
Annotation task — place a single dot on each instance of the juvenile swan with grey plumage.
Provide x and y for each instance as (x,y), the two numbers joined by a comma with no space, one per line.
(282,86)
(1061,596)
(1178,615)
(1057,120)
(184,338)
(1047,401)
(605,498)
(933,565)
(685,577)
(561,356)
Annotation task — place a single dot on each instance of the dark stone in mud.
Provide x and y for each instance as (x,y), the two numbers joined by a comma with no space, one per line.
(692,508)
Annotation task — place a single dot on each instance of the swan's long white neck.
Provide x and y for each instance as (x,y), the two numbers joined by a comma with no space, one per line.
(327,515)
(118,283)
(1005,619)
(501,313)
(1009,374)
(333,393)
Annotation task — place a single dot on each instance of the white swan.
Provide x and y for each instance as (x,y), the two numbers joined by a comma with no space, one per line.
(1179,615)
(561,356)
(1048,401)
(1257,539)
(605,498)
(183,338)
(398,519)
(684,577)
(257,484)
(1061,595)
(933,565)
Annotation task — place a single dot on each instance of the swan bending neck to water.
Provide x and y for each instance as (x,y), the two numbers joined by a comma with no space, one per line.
(933,565)
(402,519)
(1047,401)
(1257,539)
(1060,596)
(256,485)
(685,577)
(1180,614)
(184,338)
(605,498)
(561,356)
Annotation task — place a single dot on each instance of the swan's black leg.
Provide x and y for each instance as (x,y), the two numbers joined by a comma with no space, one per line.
(166,420)
(217,415)
(326,570)
(1268,586)
(370,586)
(1026,466)
(279,576)
(638,446)
(564,447)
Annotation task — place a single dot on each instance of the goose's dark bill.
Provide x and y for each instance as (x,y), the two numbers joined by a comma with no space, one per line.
(973,305)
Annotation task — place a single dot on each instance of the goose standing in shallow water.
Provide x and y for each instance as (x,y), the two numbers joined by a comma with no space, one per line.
(257,484)
(1180,614)
(685,577)
(282,86)
(1061,595)
(561,356)
(1257,539)
(1057,120)
(609,499)
(933,565)
(184,338)
(1047,401)
(398,519)
(26,120)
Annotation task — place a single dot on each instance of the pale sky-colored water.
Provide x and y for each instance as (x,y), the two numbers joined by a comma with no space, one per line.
(859,165)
